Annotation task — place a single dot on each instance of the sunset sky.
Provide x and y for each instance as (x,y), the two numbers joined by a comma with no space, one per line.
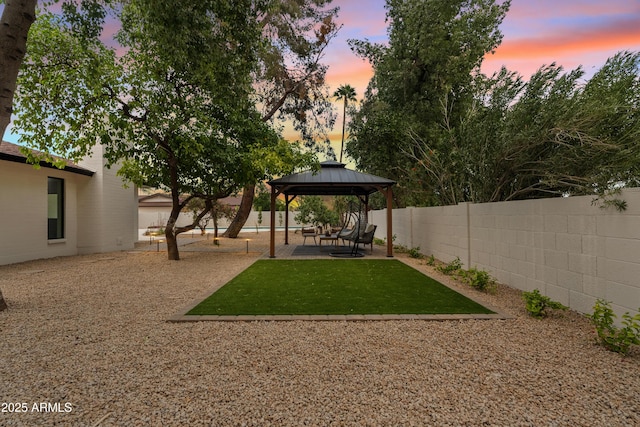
(568,32)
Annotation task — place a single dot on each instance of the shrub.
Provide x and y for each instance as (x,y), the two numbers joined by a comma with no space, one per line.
(478,279)
(537,304)
(431,261)
(610,336)
(401,249)
(415,252)
(453,267)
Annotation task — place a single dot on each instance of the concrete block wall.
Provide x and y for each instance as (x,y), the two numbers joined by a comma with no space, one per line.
(159,216)
(569,249)
(441,231)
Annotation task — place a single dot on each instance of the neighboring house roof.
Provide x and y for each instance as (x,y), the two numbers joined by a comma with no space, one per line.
(155,200)
(164,200)
(11,153)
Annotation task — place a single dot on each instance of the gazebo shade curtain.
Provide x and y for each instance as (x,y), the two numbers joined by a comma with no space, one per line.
(334,179)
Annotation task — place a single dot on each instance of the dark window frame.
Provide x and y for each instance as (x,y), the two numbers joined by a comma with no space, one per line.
(55,208)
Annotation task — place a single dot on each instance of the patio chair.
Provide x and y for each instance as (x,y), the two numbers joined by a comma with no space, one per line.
(364,236)
(309,232)
(352,234)
(367,237)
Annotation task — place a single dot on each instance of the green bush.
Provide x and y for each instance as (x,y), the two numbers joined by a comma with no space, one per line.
(415,253)
(610,336)
(537,304)
(453,267)
(478,279)
(431,261)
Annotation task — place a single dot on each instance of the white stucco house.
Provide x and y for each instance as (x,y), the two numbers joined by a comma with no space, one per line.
(49,212)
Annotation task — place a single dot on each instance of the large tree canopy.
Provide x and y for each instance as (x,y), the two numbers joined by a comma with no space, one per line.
(554,135)
(290,78)
(177,108)
(449,134)
(422,81)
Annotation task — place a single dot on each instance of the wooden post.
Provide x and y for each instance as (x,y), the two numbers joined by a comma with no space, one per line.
(286,220)
(389,194)
(272,237)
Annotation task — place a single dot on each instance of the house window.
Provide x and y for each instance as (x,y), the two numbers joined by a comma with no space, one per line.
(55,208)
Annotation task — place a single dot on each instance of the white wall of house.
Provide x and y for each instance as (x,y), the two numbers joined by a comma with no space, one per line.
(569,249)
(107,210)
(100,215)
(23,213)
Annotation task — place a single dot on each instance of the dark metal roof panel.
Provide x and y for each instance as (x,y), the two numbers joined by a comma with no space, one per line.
(332,178)
(11,152)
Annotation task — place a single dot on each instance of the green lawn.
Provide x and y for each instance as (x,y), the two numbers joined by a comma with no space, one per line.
(334,286)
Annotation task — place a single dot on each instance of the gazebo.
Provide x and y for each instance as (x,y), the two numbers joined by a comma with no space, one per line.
(333,179)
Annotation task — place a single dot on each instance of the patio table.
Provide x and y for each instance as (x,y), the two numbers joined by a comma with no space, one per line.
(333,237)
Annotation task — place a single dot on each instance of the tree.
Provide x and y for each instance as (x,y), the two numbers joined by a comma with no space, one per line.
(421,84)
(346,93)
(563,137)
(262,200)
(449,134)
(17,17)
(290,77)
(216,211)
(176,109)
(313,210)
(552,136)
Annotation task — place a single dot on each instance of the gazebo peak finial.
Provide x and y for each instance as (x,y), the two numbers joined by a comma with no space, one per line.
(331,164)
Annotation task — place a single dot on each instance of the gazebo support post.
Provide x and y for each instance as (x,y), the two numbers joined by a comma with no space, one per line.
(389,194)
(286,219)
(272,227)
(288,201)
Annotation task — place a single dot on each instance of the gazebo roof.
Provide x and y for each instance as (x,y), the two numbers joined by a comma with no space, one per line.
(332,179)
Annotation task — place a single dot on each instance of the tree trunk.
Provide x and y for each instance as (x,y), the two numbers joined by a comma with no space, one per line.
(172,238)
(17,17)
(243,212)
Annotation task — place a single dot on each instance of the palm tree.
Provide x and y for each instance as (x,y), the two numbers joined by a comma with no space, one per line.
(347,93)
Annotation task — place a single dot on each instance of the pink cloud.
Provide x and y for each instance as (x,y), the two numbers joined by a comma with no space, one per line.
(567,46)
(528,11)
(572,42)
(355,72)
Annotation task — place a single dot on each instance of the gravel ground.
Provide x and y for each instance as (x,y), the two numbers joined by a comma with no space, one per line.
(87,336)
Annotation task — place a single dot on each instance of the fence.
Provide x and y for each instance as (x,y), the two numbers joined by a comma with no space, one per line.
(569,249)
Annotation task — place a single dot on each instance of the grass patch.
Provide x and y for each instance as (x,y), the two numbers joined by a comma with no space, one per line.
(334,287)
